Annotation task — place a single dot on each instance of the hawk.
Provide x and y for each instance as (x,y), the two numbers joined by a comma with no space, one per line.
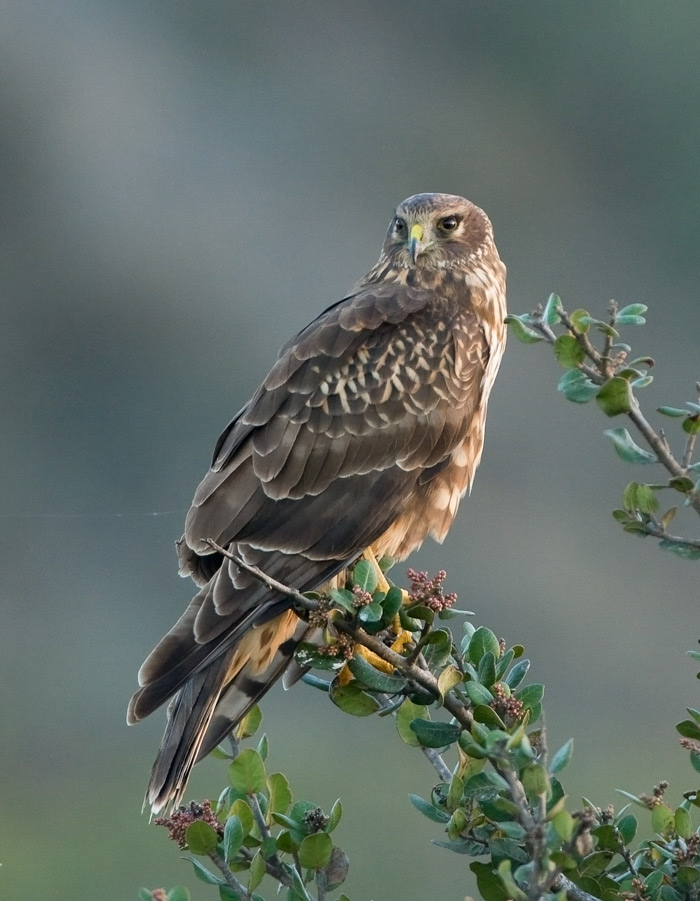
(364,435)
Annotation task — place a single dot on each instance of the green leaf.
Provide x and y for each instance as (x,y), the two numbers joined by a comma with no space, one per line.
(689,729)
(671,411)
(247,772)
(577,387)
(530,695)
(352,699)
(145,894)
(662,819)
(563,824)
(683,823)
(203,873)
(680,548)
(521,331)
(429,810)
(491,887)
(201,837)
(334,816)
(371,613)
(553,308)
(682,484)
(628,319)
(580,319)
(562,757)
(626,447)
(594,864)
(178,893)
(688,875)
(344,598)
(373,678)
(392,603)
(250,723)
(315,851)
(647,501)
(241,809)
(517,674)
(488,716)
(513,889)
(437,648)
(633,309)
(471,748)
(568,351)
(484,786)
(486,670)
(695,760)
(477,693)
(257,871)
(405,715)
(535,780)
(691,424)
(263,747)
(365,575)
(435,735)
(234,834)
(615,396)
(279,791)
(627,827)
(481,642)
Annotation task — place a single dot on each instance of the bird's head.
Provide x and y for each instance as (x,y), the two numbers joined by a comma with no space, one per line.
(437,231)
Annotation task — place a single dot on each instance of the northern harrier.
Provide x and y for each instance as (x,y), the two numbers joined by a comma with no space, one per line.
(365,434)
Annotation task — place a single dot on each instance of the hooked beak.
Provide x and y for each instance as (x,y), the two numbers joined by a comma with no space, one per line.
(414,241)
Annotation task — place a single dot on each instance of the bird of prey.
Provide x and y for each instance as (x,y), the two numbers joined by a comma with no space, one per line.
(364,435)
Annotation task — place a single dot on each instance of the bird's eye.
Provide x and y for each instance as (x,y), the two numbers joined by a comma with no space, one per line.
(448,223)
(399,226)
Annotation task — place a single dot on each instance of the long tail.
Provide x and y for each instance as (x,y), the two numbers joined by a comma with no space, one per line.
(215,699)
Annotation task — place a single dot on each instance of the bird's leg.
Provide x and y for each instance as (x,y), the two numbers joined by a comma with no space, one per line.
(403,637)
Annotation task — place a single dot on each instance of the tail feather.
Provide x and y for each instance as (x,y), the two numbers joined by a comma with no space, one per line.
(215,699)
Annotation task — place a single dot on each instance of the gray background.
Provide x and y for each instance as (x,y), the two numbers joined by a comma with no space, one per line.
(183,185)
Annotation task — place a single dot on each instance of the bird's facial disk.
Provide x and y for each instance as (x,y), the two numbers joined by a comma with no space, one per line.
(425,237)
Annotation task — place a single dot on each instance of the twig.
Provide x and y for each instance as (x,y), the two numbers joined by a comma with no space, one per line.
(599,374)
(573,892)
(231,880)
(272,863)
(411,670)
(439,765)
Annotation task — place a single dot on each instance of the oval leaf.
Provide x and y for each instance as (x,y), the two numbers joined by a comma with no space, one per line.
(315,851)
(562,757)
(234,835)
(435,735)
(352,699)
(481,642)
(568,351)
(372,678)
(247,772)
(365,575)
(201,837)
(577,387)
(280,792)
(615,396)
(405,715)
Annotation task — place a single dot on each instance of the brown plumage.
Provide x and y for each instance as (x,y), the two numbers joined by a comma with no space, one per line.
(365,433)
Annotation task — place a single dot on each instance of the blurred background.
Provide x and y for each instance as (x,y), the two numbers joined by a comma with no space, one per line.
(184,184)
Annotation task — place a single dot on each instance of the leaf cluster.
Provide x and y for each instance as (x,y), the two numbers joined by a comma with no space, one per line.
(598,366)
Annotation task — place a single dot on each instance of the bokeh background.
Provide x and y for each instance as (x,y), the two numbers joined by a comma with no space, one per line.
(183,184)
